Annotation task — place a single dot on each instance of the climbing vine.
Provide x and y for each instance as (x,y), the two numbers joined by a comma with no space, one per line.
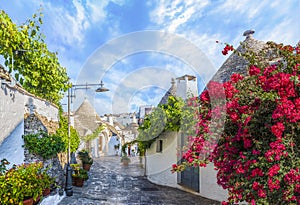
(26,55)
(44,145)
(62,131)
(176,115)
(95,134)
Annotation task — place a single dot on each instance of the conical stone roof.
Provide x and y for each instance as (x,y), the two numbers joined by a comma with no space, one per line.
(86,118)
(237,64)
(170,92)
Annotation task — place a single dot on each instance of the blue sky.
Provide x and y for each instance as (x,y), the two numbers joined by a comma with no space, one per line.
(137,46)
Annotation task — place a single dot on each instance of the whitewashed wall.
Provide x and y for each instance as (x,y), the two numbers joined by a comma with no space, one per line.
(34,104)
(186,88)
(11,125)
(208,184)
(159,165)
(11,113)
(14,104)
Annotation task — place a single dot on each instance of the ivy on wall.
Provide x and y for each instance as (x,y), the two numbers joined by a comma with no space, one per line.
(63,132)
(44,145)
(176,115)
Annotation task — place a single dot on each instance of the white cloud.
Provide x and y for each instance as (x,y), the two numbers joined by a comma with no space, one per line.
(278,34)
(138,81)
(147,96)
(69,28)
(272,20)
(172,14)
(207,44)
(248,8)
(287,29)
(71,24)
(96,10)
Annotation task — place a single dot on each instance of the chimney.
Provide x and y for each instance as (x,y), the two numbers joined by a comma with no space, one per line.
(249,33)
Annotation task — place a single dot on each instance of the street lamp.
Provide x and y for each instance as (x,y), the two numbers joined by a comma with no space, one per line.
(68,187)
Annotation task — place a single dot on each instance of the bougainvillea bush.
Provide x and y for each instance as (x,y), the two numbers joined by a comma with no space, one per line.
(257,156)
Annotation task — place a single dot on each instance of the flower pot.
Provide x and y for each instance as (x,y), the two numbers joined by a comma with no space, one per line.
(46,192)
(28,201)
(86,167)
(125,163)
(78,181)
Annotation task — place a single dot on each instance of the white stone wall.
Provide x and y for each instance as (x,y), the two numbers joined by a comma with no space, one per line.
(159,164)
(14,104)
(186,88)
(11,148)
(181,88)
(34,104)
(11,125)
(208,184)
(11,113)
(192,88)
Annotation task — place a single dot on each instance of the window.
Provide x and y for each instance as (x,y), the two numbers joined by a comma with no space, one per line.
(159,146)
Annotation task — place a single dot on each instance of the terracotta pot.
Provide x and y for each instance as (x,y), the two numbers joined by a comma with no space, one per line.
(46,191)
(125,163)
(86,167)
(78,181)
(28,201)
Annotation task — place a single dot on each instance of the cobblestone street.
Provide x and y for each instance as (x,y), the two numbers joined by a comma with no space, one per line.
(112,183)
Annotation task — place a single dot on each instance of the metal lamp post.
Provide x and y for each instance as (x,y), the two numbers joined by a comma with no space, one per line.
(68,187)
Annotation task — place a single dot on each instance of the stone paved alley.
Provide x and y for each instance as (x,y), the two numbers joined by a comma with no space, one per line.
(112,183)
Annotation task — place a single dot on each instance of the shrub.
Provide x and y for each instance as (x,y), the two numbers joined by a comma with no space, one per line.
(258,154)
(22,182)
(44,145)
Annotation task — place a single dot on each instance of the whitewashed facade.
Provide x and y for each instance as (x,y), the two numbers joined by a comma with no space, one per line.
(15,104)
(163,153)
(159,165)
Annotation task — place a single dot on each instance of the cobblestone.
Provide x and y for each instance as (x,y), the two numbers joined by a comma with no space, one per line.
(112,183)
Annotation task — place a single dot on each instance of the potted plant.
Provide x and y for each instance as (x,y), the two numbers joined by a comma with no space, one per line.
(79,175)
(86,160)
(125,159)
(46,182)
(21,184)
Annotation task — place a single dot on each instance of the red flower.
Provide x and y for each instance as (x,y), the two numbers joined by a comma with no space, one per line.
(204,97)
(236,77)
(255,152)
(234,116)
(216,90)
(273,170)
(227,48)
(257,172)
(278,129)
(253,70)
(262,193)
(273,185)
(255,186)
(247,143)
